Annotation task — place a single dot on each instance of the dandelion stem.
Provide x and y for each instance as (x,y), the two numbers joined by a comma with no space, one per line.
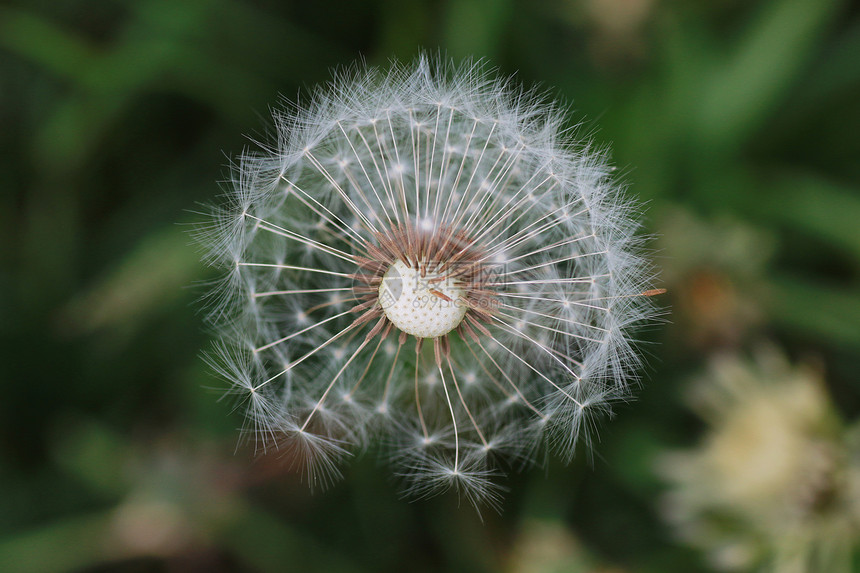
(332,383)
(417,393)
(302,331)
(295,268)
(340,223)
(272,228)
(463,402)
(355,210)
(391,371)
(450,407)
(295,363)
(536,371)
(301,291)
(507,327)
(457,217)
(545,327)
(366,368)
(508,378)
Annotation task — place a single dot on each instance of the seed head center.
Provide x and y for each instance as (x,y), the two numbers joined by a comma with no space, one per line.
(426,306)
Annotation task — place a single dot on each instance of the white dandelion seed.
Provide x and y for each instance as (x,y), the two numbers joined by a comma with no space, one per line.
(426,259)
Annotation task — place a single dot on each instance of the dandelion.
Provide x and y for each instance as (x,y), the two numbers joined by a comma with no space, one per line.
(775,485)
(427,261)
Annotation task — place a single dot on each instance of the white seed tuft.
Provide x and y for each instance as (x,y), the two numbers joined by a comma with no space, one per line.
(426,257)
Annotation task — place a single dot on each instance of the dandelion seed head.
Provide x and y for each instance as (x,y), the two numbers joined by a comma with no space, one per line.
(428,258)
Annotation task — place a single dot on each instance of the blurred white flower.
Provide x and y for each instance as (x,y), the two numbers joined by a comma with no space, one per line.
(549,546)
(437,204)
(776,482)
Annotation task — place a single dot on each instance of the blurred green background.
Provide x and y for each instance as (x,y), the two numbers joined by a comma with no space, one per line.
(738,123)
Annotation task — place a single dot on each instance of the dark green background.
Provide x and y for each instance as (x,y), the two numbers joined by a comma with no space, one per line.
(116,121)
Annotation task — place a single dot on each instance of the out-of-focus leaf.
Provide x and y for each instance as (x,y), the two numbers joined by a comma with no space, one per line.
(825,209)
(402,26)
(815,310)
(739,97)
(820,207)
(40,41)
(635,452)
(92,453)
(269,544)
(474,26)
(147,279)
(65,545)
(838,71)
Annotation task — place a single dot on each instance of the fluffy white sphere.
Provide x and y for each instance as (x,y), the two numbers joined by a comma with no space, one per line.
(519,276)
